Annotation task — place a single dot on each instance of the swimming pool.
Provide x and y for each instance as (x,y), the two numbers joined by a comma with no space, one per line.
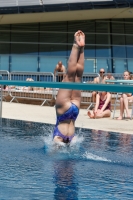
(98,166)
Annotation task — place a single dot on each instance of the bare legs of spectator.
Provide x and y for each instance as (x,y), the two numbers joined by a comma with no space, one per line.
(124,105)
(94,96)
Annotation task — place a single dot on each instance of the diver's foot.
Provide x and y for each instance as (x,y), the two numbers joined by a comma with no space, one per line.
(76,39)
(90,115)
(82,39)
(79,39)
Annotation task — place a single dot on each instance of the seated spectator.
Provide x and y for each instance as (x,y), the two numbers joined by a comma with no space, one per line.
(124,104)
(125,99)
(109,77)
(131,76)
(5,87)
(28,88)
(13,87)
(100,79)
(102,107)
(41,89)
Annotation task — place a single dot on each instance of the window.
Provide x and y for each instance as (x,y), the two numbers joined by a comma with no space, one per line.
(118,40)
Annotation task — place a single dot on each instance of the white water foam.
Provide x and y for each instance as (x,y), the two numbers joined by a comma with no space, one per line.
(75,143)
(91,156)
(61,146)
(71,149)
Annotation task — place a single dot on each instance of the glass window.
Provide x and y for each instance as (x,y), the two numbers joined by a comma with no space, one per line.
(23,63)
(4,39)
(103,39)
(130,65)
(129,51)
(118,40)
(48,63)
(4,62)
(89,65)
(129,39)
(119,65)
(90,51)
(24,38)
(24,41)
(103,51)
(119,51)
(101,63)
(88,27)
(4,46)
(53,39)
(24,48)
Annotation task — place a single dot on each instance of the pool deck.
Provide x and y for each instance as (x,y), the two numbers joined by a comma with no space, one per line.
(46,114)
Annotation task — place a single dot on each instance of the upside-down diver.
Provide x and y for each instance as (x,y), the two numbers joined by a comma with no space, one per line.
(68,101)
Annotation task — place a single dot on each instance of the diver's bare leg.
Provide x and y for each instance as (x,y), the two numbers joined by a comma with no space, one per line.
(76,94)
(63,100)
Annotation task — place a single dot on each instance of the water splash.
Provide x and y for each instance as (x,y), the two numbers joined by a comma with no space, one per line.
(70,150)
(76,142)
(91,156)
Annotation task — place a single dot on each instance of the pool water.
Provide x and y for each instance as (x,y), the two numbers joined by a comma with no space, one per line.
(98,166)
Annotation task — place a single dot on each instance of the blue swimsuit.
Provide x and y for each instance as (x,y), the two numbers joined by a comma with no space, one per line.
(71,114)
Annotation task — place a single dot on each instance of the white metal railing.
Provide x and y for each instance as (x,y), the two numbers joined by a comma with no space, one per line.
(44,94)
(86,96)
(5,76)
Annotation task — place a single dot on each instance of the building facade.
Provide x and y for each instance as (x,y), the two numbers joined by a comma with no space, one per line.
(37,41)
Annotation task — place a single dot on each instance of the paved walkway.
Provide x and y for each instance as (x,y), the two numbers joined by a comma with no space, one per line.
(46,114)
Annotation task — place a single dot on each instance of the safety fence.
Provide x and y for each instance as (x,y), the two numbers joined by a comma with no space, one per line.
(116,76)
(36,93)
(86,96)
(45,94)
(5,75)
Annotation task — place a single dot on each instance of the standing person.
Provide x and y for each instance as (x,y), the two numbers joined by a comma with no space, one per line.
(68,101)
(100,79)
(125,98)
(102,107)
(60,68)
